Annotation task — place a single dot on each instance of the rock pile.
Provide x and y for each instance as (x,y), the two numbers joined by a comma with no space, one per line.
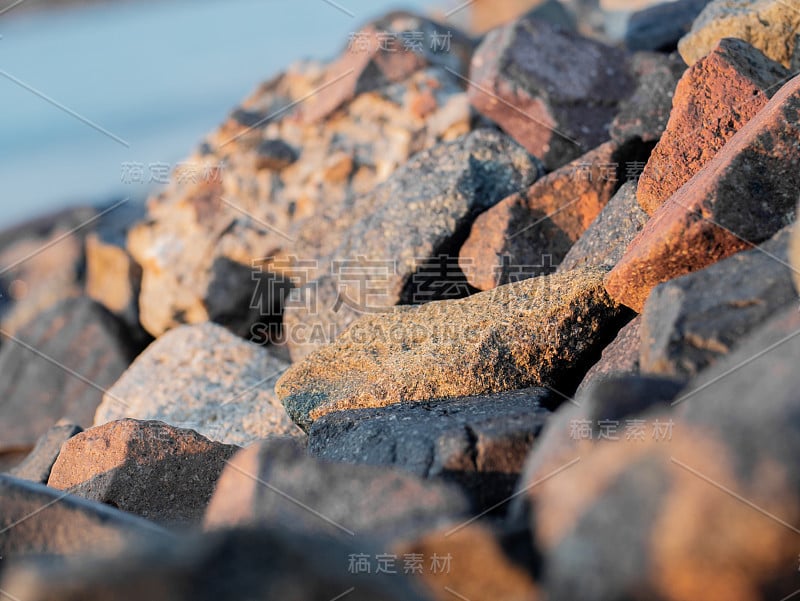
(502,318)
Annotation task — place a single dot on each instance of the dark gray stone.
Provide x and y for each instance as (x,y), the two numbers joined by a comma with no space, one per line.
(619,358)
(690,322)
(39,462)
(660,27)
(478,442)
(604,243)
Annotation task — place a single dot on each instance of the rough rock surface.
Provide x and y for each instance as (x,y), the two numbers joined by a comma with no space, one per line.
(204,378)
(690,322)
(554,91)
(227,216)
(671,512)
(404,249)
(147,468)
(478,442)
(620,358)
(645,113)
(769,25)
(37,520)
(529,233)
(532,333)
(37,465)
(237,565)
(713,100)
(605,241)
(56,368)
(660,27)
(276,482)
(744,195)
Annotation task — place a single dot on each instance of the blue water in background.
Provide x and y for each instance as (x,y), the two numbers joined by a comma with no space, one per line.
(158,75)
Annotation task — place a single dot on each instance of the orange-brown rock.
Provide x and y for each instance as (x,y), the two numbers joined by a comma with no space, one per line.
(528,234)
(713,100)
(744,195)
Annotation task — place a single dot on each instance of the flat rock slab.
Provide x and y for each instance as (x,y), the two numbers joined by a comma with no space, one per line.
(551,89)
(37,465)
(398,252)
(691,322)
(532,333)
(645,113)
(147,468)
(277,483)
(528,234)
(37,520)
(713,100)
(769,25)
(237,565)
(743,196)
(56,368)
(478,442)
(605,240)
(205,378)
(711,512)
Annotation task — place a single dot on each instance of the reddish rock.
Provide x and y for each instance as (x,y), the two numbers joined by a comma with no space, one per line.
(553,90)
(148,468)
(713,100)
(744,195)
(39,462)
(528,234)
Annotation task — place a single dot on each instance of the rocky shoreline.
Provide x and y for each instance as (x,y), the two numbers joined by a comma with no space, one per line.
(510,318)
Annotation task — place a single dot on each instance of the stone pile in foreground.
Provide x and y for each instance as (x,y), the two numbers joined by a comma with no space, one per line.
(402,354)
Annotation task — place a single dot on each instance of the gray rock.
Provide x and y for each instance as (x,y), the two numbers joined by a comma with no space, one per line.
(237,565)
(277,483)
(204,378)
(604,243)
(37,520)
(660,27)
(690,322)
(619,358)
(39,462)
(57,368)
(405,248)
(150,469)
(479,443)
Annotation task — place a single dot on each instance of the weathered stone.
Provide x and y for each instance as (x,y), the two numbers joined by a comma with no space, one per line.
(37,520)
(713,100)
(645,113)
(482,565)
(711,513)
(692,321)
(57,368)
(660,27)
(794,257)
(212,246)
(404,249)
(147,468)
(554,91)
(379,54)
(528,234)
(479,442)
(204,378)
(277,483)
(39,462)
(532,333)
(113,277)
(275,155)
(769,25)
(237,565)
(605,241)
(744,195)
(620,358)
